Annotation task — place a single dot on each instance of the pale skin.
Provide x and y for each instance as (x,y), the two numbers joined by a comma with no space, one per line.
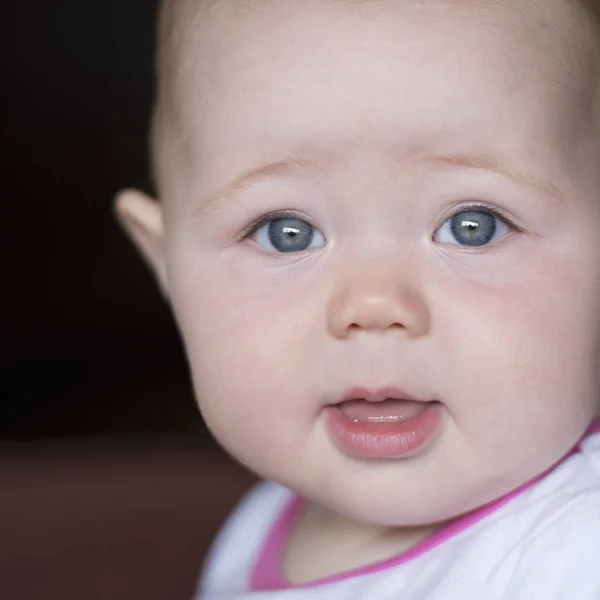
(374,124)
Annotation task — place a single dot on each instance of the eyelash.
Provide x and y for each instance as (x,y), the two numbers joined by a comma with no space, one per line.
(256,224)
(491,210)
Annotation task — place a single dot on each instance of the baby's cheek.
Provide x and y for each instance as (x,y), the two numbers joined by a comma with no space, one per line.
(249,413)
(249,378)
(524,380)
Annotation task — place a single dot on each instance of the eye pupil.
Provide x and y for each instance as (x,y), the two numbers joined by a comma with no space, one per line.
(291,231)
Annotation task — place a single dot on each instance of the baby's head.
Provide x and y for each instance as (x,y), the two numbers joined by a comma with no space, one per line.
(384,198)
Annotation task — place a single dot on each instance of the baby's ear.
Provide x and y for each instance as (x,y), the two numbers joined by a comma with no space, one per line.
(142,219)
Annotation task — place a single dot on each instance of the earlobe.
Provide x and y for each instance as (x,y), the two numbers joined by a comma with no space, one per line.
(142,219)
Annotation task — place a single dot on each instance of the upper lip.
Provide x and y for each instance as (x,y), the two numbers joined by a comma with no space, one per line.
(375,394)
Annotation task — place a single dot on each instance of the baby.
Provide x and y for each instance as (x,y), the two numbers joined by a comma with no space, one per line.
(379,231)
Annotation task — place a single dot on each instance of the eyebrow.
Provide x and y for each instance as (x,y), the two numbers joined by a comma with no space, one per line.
(292,165)
(282,168)
(494,165)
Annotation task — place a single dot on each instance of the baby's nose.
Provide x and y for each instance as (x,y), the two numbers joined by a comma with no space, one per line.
(377,305)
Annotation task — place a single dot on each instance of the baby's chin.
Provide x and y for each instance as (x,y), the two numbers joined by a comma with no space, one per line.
(385,496)
(392,507)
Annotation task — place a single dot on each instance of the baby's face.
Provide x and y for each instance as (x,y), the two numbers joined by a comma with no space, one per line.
(388,195)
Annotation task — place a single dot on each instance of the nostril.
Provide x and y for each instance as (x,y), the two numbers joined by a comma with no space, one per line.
(355,326)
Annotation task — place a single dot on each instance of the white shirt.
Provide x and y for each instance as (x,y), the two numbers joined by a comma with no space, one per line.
(540,543)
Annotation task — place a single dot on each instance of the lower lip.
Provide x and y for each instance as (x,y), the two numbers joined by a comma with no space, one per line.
(384,440)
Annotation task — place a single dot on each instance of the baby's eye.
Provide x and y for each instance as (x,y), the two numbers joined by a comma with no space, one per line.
(288,234)
(473,227)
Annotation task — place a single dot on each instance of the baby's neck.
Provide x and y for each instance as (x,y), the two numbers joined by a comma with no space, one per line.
(324,544)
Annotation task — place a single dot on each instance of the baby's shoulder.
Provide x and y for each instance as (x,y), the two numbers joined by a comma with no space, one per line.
(559,555)
(257,508)
(235,548)
(560,558)
(569,497)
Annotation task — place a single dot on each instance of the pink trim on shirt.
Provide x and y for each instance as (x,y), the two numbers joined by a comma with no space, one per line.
(267,573)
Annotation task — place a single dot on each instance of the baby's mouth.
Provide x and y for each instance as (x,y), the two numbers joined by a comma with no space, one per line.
(389,410)
(384,423)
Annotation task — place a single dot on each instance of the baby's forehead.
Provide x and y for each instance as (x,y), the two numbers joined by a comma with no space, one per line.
(205,16)
(206,44)
(200,35)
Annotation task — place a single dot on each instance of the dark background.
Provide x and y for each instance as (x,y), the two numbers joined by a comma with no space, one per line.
(88,346)
(111,487)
